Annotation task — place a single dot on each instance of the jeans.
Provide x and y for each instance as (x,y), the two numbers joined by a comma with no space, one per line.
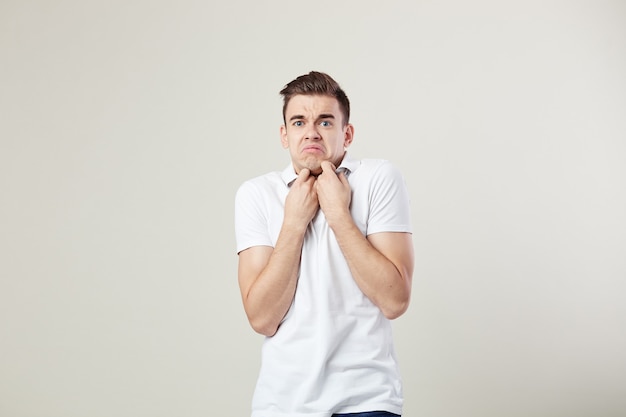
(368,414)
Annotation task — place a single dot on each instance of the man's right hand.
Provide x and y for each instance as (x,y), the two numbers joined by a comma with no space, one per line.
(301,203)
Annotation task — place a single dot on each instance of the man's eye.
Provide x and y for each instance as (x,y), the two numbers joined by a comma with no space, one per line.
(325,123)
(298,123)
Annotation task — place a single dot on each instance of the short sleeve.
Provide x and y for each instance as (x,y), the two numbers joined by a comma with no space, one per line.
(251,220)
(390,209)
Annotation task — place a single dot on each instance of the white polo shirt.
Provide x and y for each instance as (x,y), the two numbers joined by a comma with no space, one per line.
(333,351)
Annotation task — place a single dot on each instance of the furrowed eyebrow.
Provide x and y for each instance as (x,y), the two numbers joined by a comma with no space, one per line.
(320,117)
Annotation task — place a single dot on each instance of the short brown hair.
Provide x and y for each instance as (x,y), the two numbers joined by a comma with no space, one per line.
(316,83)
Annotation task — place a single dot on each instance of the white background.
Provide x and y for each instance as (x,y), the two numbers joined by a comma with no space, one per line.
(127,126)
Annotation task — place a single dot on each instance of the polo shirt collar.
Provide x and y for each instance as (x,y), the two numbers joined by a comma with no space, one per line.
(347,166)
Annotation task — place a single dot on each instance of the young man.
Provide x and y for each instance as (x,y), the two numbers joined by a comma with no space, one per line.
(325,262)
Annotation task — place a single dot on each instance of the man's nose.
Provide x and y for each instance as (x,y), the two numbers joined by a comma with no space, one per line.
(312,132)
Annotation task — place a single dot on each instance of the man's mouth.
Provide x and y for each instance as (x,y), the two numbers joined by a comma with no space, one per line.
(312,149)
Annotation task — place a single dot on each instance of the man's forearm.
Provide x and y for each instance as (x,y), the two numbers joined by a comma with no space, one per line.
(272,293)
(385,283)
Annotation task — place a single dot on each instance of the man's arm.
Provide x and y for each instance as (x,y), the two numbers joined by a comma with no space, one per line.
(382,263)
(382,266)
(268,276)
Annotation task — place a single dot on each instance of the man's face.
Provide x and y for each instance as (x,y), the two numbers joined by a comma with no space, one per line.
(314,132)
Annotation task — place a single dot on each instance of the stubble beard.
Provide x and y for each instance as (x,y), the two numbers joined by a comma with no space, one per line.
(314,165)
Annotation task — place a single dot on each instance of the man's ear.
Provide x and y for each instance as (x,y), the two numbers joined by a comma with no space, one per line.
(348,136)
(283,136)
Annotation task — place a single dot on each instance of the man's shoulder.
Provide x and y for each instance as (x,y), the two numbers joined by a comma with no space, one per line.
(374,162)
(263,179)
(258,190)
(375,165)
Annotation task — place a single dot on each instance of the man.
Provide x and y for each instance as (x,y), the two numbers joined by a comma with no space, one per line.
(325,262)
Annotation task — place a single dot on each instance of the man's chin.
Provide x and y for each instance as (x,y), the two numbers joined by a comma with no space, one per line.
(314,167)
(315,171)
